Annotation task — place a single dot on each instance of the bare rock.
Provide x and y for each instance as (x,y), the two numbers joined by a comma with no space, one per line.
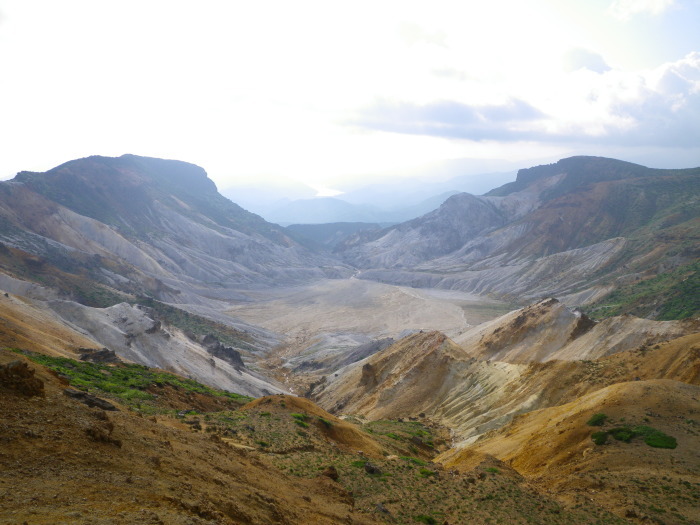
(18,377)
(89,399)
(99,356)
(331,472)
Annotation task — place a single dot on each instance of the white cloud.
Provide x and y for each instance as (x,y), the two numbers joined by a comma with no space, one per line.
(626,9)
(577,58)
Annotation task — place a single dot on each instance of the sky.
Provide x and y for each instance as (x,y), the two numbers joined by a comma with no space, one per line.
(331,92)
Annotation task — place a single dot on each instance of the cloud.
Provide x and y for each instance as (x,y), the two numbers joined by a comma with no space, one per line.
(579,58)
(668,110)
(654,108)
(626,9)
(413,33)
(449,119)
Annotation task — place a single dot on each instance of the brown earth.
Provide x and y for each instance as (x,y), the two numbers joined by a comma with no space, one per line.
(553,448)
(63,462)
(26,325)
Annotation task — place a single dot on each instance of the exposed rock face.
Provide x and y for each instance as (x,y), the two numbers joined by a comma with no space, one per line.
(89,400)
(98,356)
(226,353)
(548,330)
(16,376)
(128,331)
(469,391)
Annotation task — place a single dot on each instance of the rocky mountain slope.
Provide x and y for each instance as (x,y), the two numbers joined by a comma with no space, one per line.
(130,333)
(643,479)
(75,458)
(464,388)
(154,221)
(578,229)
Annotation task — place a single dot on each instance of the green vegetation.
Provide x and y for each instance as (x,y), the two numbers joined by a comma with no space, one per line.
(599,438)
(493,470)
(652,437)
(325,422)
(130,384)
(670,295)
(300,420)
(422,518)
(415,461)
(597,420)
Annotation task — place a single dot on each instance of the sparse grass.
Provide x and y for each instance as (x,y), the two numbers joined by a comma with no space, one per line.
(325,422)
(127,383)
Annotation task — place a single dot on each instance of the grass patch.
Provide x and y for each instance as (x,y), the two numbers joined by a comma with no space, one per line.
(128,383)
(325,422)
(415,461)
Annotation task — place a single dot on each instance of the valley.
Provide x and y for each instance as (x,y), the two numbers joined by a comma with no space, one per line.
(445,369)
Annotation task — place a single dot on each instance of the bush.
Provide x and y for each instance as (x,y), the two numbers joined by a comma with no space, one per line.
(597,420)
(599,438)
(422,518)
(655,438)
(623,434)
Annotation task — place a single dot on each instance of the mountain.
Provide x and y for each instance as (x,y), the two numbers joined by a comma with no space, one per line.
(536,357)
(329,235)
(322,210)
(576,229)
(151,219)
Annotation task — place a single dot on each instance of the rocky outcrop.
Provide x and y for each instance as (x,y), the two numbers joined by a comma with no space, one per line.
(225,353)
(16,376)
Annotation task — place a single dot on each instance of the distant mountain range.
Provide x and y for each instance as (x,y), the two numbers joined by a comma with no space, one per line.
(392,199)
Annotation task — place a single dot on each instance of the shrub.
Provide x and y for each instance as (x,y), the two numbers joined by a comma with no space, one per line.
(597,420)
(623,434)
(325,422)
(655,438)
(422,518)
(426,473)
(599,438)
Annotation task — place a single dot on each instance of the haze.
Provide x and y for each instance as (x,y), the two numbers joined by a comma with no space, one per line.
(334,95)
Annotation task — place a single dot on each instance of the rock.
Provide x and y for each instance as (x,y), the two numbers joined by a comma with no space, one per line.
(98,356)
(381,508)
(88,399)
(331,472)
(18,377)
(368,378)
(372,469)
(225,353)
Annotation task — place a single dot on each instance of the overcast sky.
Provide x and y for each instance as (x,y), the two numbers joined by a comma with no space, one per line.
(323,91)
